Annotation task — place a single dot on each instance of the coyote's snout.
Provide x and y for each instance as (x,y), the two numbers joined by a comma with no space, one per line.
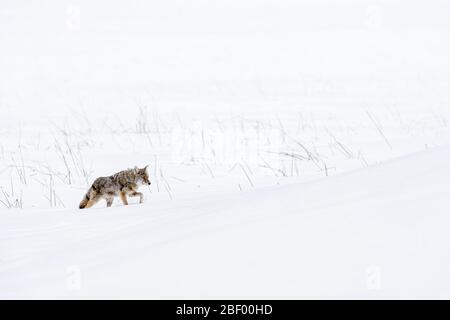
(122,184)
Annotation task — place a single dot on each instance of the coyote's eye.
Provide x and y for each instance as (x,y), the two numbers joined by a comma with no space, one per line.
(146,181)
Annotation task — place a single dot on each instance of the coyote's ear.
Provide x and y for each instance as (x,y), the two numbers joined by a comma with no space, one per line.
(145,168)
(136,169)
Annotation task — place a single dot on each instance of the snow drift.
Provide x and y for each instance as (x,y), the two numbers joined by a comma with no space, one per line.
(380,232)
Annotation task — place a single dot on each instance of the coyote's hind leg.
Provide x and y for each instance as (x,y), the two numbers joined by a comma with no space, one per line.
(109,201)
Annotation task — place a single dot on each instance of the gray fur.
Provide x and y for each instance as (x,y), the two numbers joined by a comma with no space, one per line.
(122,184)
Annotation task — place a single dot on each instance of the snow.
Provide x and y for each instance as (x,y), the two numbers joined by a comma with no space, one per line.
(305,240)
(297,149)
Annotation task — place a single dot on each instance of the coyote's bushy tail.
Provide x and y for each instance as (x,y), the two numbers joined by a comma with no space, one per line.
(85,200)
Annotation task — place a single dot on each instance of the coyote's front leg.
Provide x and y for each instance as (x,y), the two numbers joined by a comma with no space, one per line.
(137,194)
(123,197)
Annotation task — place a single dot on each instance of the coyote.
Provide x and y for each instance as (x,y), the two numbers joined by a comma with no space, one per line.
(120,184)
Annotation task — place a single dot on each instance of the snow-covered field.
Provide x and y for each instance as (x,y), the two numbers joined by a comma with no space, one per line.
(297,149)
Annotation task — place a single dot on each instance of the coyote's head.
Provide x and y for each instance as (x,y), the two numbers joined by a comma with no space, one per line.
(142,176)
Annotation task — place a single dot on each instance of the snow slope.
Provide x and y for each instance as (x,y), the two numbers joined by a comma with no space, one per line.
(379,232)
(253,117)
